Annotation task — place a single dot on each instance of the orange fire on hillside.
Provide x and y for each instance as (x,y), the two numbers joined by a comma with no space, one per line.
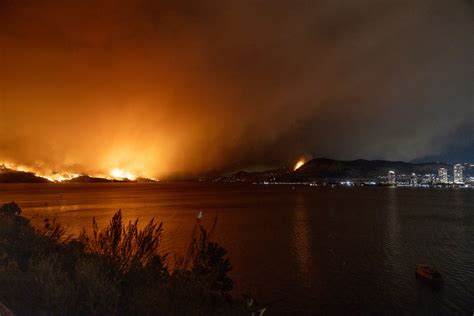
(60,176)
(119,174)
(54,176)
(299,164)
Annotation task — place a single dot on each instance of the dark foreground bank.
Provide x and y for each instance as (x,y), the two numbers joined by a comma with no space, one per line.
(118,270)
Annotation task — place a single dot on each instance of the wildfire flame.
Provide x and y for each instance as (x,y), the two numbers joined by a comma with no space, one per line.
(53,176)
(299,164)
(60,176)
(117,173)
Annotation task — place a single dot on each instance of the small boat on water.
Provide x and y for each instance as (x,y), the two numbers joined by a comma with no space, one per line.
(424,271)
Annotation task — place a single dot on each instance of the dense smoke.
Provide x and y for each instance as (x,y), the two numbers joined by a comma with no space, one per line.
(160,87)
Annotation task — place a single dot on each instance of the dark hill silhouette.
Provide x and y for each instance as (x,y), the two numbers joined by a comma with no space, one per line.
(87,179)
(358,169)
(144,180)
(324,169)
(12,176)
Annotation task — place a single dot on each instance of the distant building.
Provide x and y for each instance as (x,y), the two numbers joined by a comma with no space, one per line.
(428,178)
(414,180)
(458,173)
(443,175)
(391,177)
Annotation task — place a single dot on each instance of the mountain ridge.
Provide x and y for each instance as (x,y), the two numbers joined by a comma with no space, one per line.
(319,168)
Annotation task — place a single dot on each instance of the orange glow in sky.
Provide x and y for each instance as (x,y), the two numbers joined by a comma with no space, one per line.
(148,90)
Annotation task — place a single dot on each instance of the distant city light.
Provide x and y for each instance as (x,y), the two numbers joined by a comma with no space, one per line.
(458,173)
(391,177)
(443,175)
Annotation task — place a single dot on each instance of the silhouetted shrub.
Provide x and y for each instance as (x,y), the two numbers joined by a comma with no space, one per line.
(10,209)
(116,271)
(126,246)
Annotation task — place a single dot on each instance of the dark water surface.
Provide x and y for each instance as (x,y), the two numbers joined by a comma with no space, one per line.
(308,250)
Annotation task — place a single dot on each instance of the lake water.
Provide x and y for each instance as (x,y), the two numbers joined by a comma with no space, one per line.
(307,250)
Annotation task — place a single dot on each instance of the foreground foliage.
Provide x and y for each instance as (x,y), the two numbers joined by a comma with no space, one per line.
(115,271)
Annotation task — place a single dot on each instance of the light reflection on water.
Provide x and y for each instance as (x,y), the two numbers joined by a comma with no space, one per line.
(310,250)
(302,244)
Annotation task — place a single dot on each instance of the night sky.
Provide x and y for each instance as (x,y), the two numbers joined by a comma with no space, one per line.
(160,87)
